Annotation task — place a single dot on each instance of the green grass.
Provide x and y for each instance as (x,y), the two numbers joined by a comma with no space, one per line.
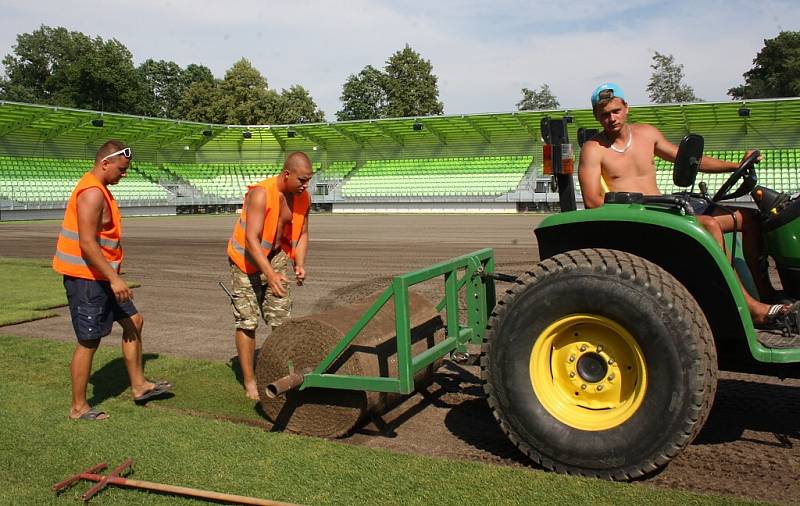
(40,446)
(31,289)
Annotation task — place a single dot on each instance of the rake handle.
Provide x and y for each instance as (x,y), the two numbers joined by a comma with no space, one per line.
(185,491)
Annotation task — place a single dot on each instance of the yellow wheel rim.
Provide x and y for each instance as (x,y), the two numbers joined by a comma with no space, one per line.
(588,372)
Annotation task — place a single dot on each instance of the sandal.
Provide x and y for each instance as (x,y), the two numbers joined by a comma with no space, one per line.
(160,388)
(91,415)
(783,317)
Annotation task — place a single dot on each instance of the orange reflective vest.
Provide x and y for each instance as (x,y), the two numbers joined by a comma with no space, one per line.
(291,233)
(69,257)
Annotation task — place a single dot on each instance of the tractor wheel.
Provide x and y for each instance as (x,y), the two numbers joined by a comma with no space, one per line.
(599,363)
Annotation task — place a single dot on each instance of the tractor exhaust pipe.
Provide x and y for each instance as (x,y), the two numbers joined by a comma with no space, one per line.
(283,385)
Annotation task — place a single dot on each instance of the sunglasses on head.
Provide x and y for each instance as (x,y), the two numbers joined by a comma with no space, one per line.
(124,152)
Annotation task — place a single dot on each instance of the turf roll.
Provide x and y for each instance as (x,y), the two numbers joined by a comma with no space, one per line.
(305,342)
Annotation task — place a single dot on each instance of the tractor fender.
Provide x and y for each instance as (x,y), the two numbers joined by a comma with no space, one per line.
(678,244)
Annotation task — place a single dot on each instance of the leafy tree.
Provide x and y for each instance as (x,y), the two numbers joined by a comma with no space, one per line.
(533,100)
(776,70)
(199,102)
(243,96)
(406,87)
(295,105)
(411,87)
(55,66)
(364,95)
(196,73)
(665,84)
(164,82)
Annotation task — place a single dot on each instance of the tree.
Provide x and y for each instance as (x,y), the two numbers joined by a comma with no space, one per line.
(199,103)
(411,88)
(164,83)
(243,96)
(665,84)
(776,70)
(406,87)
(295,105)
(533,100)
(364,95)
(54,66)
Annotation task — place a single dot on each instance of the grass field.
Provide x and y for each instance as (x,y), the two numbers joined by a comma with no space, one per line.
(32,289)
(171,444)
(41,446)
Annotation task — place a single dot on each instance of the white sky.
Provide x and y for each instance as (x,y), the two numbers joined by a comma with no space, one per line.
(482,52)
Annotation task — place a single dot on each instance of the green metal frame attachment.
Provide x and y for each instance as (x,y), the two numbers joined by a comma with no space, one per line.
(465,273)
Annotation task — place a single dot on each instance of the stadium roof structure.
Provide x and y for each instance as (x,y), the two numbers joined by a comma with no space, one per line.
(38,124)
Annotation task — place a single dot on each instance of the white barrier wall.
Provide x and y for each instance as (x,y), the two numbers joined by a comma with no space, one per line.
(426,207)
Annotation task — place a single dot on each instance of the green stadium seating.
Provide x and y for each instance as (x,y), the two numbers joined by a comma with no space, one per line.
(488,176)
(335,171)
(224,180)
(51,181)
(778,170)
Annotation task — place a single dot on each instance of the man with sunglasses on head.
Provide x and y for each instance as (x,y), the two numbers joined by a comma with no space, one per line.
(89,255)
(271,231)
(621,158)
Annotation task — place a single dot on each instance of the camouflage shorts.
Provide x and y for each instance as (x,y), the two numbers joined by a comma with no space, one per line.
(252,294)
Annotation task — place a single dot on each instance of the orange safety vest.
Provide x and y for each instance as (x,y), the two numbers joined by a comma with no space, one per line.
(69,257)
(291,234)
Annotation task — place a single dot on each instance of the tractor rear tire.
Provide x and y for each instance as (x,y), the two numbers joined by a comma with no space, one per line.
(599,363)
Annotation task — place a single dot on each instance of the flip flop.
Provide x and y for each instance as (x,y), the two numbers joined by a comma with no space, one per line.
(161,383)
(158,390)
(92,415)
(783,317)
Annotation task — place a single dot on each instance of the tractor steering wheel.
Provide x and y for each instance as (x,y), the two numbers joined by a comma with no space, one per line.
(746,170)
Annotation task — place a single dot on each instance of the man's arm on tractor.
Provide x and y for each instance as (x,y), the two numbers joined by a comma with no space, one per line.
(256,209)
(668,151)
(90,217)
(589,174)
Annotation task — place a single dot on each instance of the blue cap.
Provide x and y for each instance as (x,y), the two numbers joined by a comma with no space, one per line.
(611,90)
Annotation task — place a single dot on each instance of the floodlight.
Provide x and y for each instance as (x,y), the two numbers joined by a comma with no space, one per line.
(97,122)
(291,133)
(208,133)
(744,112)
(247,134)
(417,126)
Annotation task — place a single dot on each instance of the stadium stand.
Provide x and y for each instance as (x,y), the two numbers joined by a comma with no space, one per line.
(437,177)
(226,180)
(51,181)
(777,170)
(336,171)
(448,163)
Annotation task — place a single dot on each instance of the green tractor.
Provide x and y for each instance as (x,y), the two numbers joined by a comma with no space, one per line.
(602,360)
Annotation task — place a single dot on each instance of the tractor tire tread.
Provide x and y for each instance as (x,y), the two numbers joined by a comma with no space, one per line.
(660,284)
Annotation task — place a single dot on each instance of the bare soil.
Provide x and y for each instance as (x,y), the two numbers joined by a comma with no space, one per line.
(749,448)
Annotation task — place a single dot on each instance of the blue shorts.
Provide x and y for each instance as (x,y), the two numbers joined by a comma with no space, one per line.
(93,307)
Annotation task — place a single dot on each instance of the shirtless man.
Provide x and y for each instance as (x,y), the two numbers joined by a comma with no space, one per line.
(623,155)
(272,229)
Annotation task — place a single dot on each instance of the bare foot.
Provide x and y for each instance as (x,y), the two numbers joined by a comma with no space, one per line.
(251,390)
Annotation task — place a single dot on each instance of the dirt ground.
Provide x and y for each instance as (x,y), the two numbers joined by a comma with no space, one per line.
(749,448)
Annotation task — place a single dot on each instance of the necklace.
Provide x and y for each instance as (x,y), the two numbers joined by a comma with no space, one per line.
(627,145)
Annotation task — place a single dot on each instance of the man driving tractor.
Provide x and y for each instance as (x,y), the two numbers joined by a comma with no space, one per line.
(621,158)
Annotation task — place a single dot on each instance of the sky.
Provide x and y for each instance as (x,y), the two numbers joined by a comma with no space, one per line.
(483,53)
